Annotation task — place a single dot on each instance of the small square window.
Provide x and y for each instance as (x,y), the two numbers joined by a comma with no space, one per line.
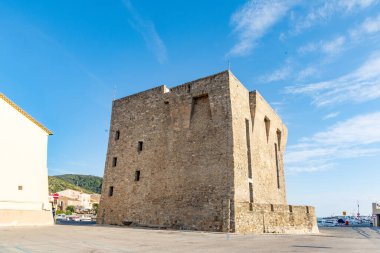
(110,192)
(114,162)
(117,135)
(137,175)
(20,187)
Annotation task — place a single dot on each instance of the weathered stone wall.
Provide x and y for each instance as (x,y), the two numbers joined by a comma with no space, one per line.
(241,120)
(254,152)
(207,161)
(272,218)
(185,163)
(266,187)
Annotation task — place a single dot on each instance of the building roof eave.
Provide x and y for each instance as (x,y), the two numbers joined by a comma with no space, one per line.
(12,104)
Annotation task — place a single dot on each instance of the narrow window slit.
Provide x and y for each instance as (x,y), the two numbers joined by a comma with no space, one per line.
(250,193)
(248,140)
(140,146)
(267,126)
(277,166)
(137,175)
(114,162)
(279,139)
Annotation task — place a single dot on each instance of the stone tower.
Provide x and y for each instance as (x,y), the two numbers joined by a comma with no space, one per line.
(205,155)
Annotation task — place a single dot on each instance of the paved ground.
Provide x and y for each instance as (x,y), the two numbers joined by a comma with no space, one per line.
(121,239)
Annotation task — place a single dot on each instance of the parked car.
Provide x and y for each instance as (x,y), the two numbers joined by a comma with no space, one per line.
(330,223)
(61,217)
(85,218)
(73,218)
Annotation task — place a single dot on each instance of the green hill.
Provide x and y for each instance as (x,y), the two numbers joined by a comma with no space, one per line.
(57,184)
(85,183)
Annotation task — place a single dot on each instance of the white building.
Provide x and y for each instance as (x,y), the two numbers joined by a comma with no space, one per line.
(74,198)
(376,214)
(23,168)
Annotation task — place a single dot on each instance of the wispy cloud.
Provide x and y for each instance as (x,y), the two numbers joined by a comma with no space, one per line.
(353,4)
(253,20)
(315,15)
(306,72)
(288,71)
(328,47)
(370,25)
(324,10)
(333,46)
(331,115)
(308,48)
(256,17)
(310,167)
(355,137)
(148,31)
(277,75)
(363,84)
(283,72)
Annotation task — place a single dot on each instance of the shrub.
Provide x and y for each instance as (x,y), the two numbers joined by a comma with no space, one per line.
(70,209)
(95,207)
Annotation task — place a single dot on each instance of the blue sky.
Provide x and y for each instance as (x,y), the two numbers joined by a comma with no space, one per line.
(316,62)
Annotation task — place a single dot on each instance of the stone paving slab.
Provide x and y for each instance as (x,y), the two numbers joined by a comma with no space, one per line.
(96,239)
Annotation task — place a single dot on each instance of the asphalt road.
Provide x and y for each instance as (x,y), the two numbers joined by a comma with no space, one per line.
(122,239)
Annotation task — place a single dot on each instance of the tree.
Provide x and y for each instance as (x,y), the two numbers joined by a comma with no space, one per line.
(70,209)
(95,208)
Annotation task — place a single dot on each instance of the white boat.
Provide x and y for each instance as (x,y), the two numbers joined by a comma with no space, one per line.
(344,221)
(328,222)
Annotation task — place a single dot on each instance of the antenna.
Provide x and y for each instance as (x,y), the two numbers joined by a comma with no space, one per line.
(229,65)
(358,209)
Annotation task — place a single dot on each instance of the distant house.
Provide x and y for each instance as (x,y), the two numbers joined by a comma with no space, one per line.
(95,198)
(81,201)
(23,167)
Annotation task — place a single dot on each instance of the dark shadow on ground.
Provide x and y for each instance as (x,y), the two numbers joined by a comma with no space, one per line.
(311,247)
(376,230)
(75,223)
(361,232)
